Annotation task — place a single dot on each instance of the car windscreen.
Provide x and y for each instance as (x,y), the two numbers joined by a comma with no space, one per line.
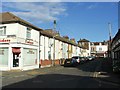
(75,57)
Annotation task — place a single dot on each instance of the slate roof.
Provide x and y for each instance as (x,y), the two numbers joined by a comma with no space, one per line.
(83,40)
(57,37)
(8,17)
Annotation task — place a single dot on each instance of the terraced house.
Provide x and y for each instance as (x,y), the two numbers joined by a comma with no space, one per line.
(55,49)
(24,46)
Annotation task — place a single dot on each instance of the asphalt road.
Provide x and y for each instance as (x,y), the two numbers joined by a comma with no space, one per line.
(82,76)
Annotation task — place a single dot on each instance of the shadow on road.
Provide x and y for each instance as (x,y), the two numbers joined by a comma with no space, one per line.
(104,66)
(59,81)
(71,80)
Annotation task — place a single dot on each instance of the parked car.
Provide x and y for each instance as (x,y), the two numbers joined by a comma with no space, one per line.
(68,62)
(83,59)
(74,61)
(90,58)
(79,59)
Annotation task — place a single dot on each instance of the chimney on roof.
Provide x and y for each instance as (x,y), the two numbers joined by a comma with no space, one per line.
(72,39)
(52,32)
(66,37)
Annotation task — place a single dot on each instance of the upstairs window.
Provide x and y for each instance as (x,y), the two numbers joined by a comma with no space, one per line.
(100,49)
(2,30)
(49,43)
(28,33)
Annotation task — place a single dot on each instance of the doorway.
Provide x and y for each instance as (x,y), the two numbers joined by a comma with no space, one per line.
(16,56)
(15,59)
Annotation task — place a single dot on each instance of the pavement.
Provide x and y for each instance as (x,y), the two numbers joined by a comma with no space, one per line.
(104,72)
(33,72)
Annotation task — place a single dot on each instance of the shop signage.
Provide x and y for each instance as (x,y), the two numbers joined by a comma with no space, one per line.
(16,50)
(4,40)
(30,51)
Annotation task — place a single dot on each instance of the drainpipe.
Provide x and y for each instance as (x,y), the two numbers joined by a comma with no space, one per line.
(39,48)
(44,48)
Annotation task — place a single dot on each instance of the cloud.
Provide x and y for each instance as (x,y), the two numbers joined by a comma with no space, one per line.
(36,11)
(60,0)
(32,0)
(92,6)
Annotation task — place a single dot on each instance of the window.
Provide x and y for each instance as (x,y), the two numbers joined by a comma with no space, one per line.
(93,49)
(28,34)
(4,56)
(30,56)
(2,30)
(49,43)
(49,55)
(100,49)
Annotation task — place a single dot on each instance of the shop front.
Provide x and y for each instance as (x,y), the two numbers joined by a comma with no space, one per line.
(30,58)
(4,56)
(18,58)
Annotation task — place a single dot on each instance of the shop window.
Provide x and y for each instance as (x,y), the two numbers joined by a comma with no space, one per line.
(100,49)
(30,56)
(3,56)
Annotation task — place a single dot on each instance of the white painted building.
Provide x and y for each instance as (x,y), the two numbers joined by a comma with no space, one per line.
(53,48)
(65,49)
(99,49)
(19,44)
(74,50)
(85,47)
(46,49)
(24,46)
(78,51)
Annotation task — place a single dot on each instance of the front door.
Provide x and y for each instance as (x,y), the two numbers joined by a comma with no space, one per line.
(16,58)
